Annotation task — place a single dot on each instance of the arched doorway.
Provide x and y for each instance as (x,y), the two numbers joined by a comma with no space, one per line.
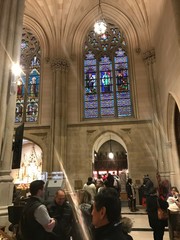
(31,164)
(173,130)
(177,128)
(103,164)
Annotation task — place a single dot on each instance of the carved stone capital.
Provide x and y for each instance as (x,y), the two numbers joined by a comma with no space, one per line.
(59,64)
(149,57)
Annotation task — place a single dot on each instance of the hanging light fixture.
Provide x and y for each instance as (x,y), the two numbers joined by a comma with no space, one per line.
(100,25)
(111,154)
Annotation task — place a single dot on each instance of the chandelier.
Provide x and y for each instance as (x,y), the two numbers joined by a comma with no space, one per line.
(100,25)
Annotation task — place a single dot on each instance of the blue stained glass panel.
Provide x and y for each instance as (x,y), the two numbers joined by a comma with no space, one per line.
(90,62)
(19,110)
(90,55)
(91,97)
(32,110)
(124,111)
(121,59)
(107,96)
(123,102)
(108,103)
(33,83)
(91,113)
(108,112)
(120,52)
(91,104)
(90,69)
(123,95)
(121,66)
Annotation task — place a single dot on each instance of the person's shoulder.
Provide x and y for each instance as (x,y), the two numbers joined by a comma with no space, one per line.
(128,237)
(41,206)
(92,185)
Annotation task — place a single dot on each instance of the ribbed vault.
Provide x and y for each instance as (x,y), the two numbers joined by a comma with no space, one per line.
(65,21)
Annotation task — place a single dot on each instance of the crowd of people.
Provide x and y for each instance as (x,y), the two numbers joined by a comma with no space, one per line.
(159,198)
(100,206)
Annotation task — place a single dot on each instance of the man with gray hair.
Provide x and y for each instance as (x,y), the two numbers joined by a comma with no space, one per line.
(106,215)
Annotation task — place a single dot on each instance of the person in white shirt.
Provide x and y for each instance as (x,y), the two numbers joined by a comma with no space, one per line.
(90,187)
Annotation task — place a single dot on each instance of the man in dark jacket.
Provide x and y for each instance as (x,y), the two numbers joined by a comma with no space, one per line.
(61,210)
(35,222)
(153,202)
(106,215)
(131,193)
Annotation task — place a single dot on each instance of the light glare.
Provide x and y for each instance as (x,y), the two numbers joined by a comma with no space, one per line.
(100,27)
(16,69)
(111,155)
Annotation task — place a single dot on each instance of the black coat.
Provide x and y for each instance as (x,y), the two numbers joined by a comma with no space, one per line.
(29,228)
(109,232)
(152,206)
(64,220)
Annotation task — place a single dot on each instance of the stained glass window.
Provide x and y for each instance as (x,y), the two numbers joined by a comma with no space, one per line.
(107,92)
(27,101)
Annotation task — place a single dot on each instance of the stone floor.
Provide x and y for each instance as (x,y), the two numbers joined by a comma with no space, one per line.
(141,229)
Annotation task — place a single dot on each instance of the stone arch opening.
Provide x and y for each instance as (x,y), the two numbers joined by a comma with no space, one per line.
(173,133)
(101,162)
(31,164)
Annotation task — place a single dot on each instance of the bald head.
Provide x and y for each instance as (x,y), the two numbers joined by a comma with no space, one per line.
(60,197)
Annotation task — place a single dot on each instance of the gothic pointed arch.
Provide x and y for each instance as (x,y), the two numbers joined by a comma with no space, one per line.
(107,80)
(173,133)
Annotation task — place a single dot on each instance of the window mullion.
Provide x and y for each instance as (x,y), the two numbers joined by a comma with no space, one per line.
(25,96)
(114,86)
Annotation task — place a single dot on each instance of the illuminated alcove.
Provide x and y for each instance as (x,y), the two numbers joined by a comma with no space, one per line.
(31,164)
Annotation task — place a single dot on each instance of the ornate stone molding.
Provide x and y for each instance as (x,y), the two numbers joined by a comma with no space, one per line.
(149,57)
(90,131)
(59,64)
(126,130)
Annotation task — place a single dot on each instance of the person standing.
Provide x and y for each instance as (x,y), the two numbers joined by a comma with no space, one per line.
(106,215)
(173,196)
(147,185)
(158,226)
(61,210)
(35,222)
(90,187)
(131,193)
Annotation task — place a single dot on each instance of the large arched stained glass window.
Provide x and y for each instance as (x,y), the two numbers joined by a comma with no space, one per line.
(107,92)
(27,101)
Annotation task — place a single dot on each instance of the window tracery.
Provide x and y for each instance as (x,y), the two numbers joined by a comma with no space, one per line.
(107,90)
(27,101)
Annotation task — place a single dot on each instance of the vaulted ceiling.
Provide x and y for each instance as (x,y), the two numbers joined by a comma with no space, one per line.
(65,22)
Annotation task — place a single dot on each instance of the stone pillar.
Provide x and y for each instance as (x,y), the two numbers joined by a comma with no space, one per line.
(59,117)
(149,59)
(11,20)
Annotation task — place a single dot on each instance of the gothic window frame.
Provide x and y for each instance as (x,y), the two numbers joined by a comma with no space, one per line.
(111,46)
(28,83)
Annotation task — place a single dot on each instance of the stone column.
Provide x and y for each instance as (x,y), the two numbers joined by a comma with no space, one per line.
(11,21)
(59,117)
(149,59)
